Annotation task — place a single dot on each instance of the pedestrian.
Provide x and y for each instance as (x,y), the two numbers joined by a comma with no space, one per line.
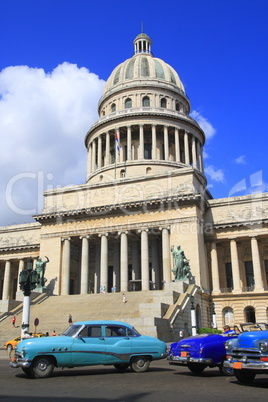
(14,321)
(124,298)
(70,319)
(26,335)
(47,333)
(54,333)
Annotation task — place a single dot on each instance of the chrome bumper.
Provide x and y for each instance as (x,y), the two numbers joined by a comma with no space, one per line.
(184,360)
(20,363)
(257,365)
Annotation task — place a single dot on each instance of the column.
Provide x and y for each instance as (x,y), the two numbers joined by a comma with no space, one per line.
(141,156)
(89,160)
(215,269)
(186,148)
(116,266)
(84,265)
(153,141)
(65,287)
(166,255)
(235,267)
(104,262)
(194,151)
(256,265)
(177,145)
(21,267)
(124,262)
(6,286)
(166,144)
(200,158)
(107,150)
(93,156)
(129,143)
(99,153)
(145,285)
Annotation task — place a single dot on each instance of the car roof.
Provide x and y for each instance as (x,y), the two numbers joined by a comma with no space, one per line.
(101,322)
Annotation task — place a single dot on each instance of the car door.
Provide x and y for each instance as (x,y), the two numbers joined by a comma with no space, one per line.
(89,347)
(118,343)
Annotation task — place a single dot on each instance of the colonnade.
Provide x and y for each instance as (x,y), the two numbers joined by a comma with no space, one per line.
(146,267)
(127,143)
(238,270)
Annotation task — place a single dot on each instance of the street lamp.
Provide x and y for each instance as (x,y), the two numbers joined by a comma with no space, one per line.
(214,322)
(27,280)
(193,316)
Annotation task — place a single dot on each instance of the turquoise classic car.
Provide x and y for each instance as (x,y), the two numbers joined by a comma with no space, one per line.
(88,343)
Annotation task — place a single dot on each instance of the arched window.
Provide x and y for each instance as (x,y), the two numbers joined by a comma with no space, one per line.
(122,173)
(163,102)
(178,106)
(113,107)
(128,103)
(228,316)
(148,170)
(146,101)
(250,314)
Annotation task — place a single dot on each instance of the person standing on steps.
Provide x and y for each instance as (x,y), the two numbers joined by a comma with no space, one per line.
(124,298)
(14,321)
(70,319)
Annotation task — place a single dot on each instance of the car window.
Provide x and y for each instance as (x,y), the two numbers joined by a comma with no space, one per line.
(91,331)
(115,330)
(71,330)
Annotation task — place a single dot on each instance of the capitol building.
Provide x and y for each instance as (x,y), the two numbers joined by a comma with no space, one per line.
(145,195)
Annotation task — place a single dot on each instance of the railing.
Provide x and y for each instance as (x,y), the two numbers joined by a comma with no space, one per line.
(226,290)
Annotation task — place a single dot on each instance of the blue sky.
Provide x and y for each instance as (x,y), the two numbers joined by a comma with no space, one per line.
(56,56)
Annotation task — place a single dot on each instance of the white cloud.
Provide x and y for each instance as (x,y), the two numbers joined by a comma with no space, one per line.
(43,121)
(241,160)
(206,126)
(215,175)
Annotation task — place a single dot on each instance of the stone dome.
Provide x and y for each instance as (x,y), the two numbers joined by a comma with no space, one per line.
(142,68)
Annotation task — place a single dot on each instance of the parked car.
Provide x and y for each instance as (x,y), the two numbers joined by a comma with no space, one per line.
(9,345)
(87,343)
(200,351)
(247,355)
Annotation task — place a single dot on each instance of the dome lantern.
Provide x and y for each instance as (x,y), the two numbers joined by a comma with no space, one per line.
(142,44)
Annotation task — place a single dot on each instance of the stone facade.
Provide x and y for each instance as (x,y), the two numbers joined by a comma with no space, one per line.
(146,191)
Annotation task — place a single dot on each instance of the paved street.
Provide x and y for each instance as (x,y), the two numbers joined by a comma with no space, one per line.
(162,383)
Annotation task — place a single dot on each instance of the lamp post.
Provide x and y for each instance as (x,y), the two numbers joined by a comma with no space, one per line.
(27,281)
(214,322)
(193,316)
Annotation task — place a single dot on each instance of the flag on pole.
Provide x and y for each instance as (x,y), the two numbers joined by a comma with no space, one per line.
(117,145)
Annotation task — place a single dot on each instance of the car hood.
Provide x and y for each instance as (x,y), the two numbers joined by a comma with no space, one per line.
(195,342)
(250,339)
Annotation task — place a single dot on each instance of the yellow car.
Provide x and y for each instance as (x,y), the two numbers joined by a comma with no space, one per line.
(9,345)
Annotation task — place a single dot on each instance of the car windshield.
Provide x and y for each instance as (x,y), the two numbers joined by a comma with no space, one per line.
(72,330)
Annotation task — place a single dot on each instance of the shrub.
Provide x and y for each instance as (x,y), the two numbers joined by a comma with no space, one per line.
(208,331)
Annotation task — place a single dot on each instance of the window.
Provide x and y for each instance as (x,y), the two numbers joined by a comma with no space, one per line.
(128,103)
(250,314)
(163,103)
(228,316)
(147,151)
(249,274)
(146,101)
(116,331)
(178,106)
(113,107)
(229,275)
(122,173)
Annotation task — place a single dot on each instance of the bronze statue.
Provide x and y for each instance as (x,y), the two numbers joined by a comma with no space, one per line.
(40,269)
(181,268)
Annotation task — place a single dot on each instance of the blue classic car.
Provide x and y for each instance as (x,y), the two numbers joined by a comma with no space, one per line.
(89,343)
(200,351)
(248,354)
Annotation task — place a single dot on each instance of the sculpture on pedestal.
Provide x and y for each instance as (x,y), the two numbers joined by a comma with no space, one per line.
(181,268)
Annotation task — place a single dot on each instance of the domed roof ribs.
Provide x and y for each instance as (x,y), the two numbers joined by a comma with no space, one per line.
(142,44)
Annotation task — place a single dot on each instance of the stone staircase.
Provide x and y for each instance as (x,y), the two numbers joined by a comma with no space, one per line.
(151,312)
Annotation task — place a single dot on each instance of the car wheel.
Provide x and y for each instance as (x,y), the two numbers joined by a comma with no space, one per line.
(196,368)
(226,370)
(9,347)
(121,367)
(244,376)
(42,367)
(140,364)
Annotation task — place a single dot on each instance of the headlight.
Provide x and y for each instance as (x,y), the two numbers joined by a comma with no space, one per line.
(228,345)
(263,346)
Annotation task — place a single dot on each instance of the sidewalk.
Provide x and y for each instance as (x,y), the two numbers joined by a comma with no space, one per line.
(4,354)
